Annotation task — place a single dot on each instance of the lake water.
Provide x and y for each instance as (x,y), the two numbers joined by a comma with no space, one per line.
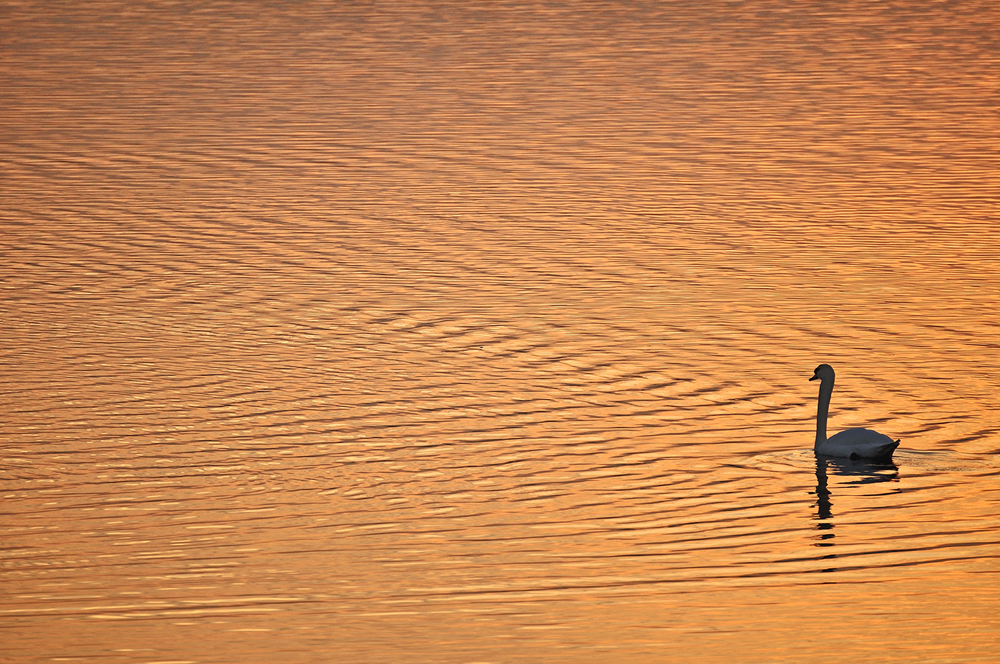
(440,333)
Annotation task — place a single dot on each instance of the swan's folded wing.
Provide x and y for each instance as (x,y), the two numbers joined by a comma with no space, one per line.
(859,443)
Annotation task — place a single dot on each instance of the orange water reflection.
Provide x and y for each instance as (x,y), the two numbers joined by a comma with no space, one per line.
(483,334)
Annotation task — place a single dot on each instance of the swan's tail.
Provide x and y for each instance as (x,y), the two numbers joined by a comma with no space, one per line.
(884,453)
(878,454)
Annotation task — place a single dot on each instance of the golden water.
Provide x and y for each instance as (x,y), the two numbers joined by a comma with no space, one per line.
(449,334)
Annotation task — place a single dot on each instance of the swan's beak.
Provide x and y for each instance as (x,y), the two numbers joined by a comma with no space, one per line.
(814,377)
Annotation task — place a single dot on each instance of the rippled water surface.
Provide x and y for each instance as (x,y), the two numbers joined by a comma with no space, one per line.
(454,333)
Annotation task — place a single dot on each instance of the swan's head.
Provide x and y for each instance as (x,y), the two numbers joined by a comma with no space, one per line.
(823,372)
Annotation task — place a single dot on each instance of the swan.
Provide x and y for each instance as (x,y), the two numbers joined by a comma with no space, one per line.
(851,443)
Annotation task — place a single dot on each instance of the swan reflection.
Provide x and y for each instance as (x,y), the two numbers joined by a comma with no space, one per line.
(861,471)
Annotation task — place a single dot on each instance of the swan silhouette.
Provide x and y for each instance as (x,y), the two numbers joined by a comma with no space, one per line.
(851,443)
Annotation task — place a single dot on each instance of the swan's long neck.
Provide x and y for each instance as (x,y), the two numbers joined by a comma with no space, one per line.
(822,411)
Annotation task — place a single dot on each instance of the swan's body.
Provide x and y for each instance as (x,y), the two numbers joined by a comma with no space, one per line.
(851,443)
(858,444)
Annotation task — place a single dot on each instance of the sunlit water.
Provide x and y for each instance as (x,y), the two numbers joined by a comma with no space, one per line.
(334,333)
